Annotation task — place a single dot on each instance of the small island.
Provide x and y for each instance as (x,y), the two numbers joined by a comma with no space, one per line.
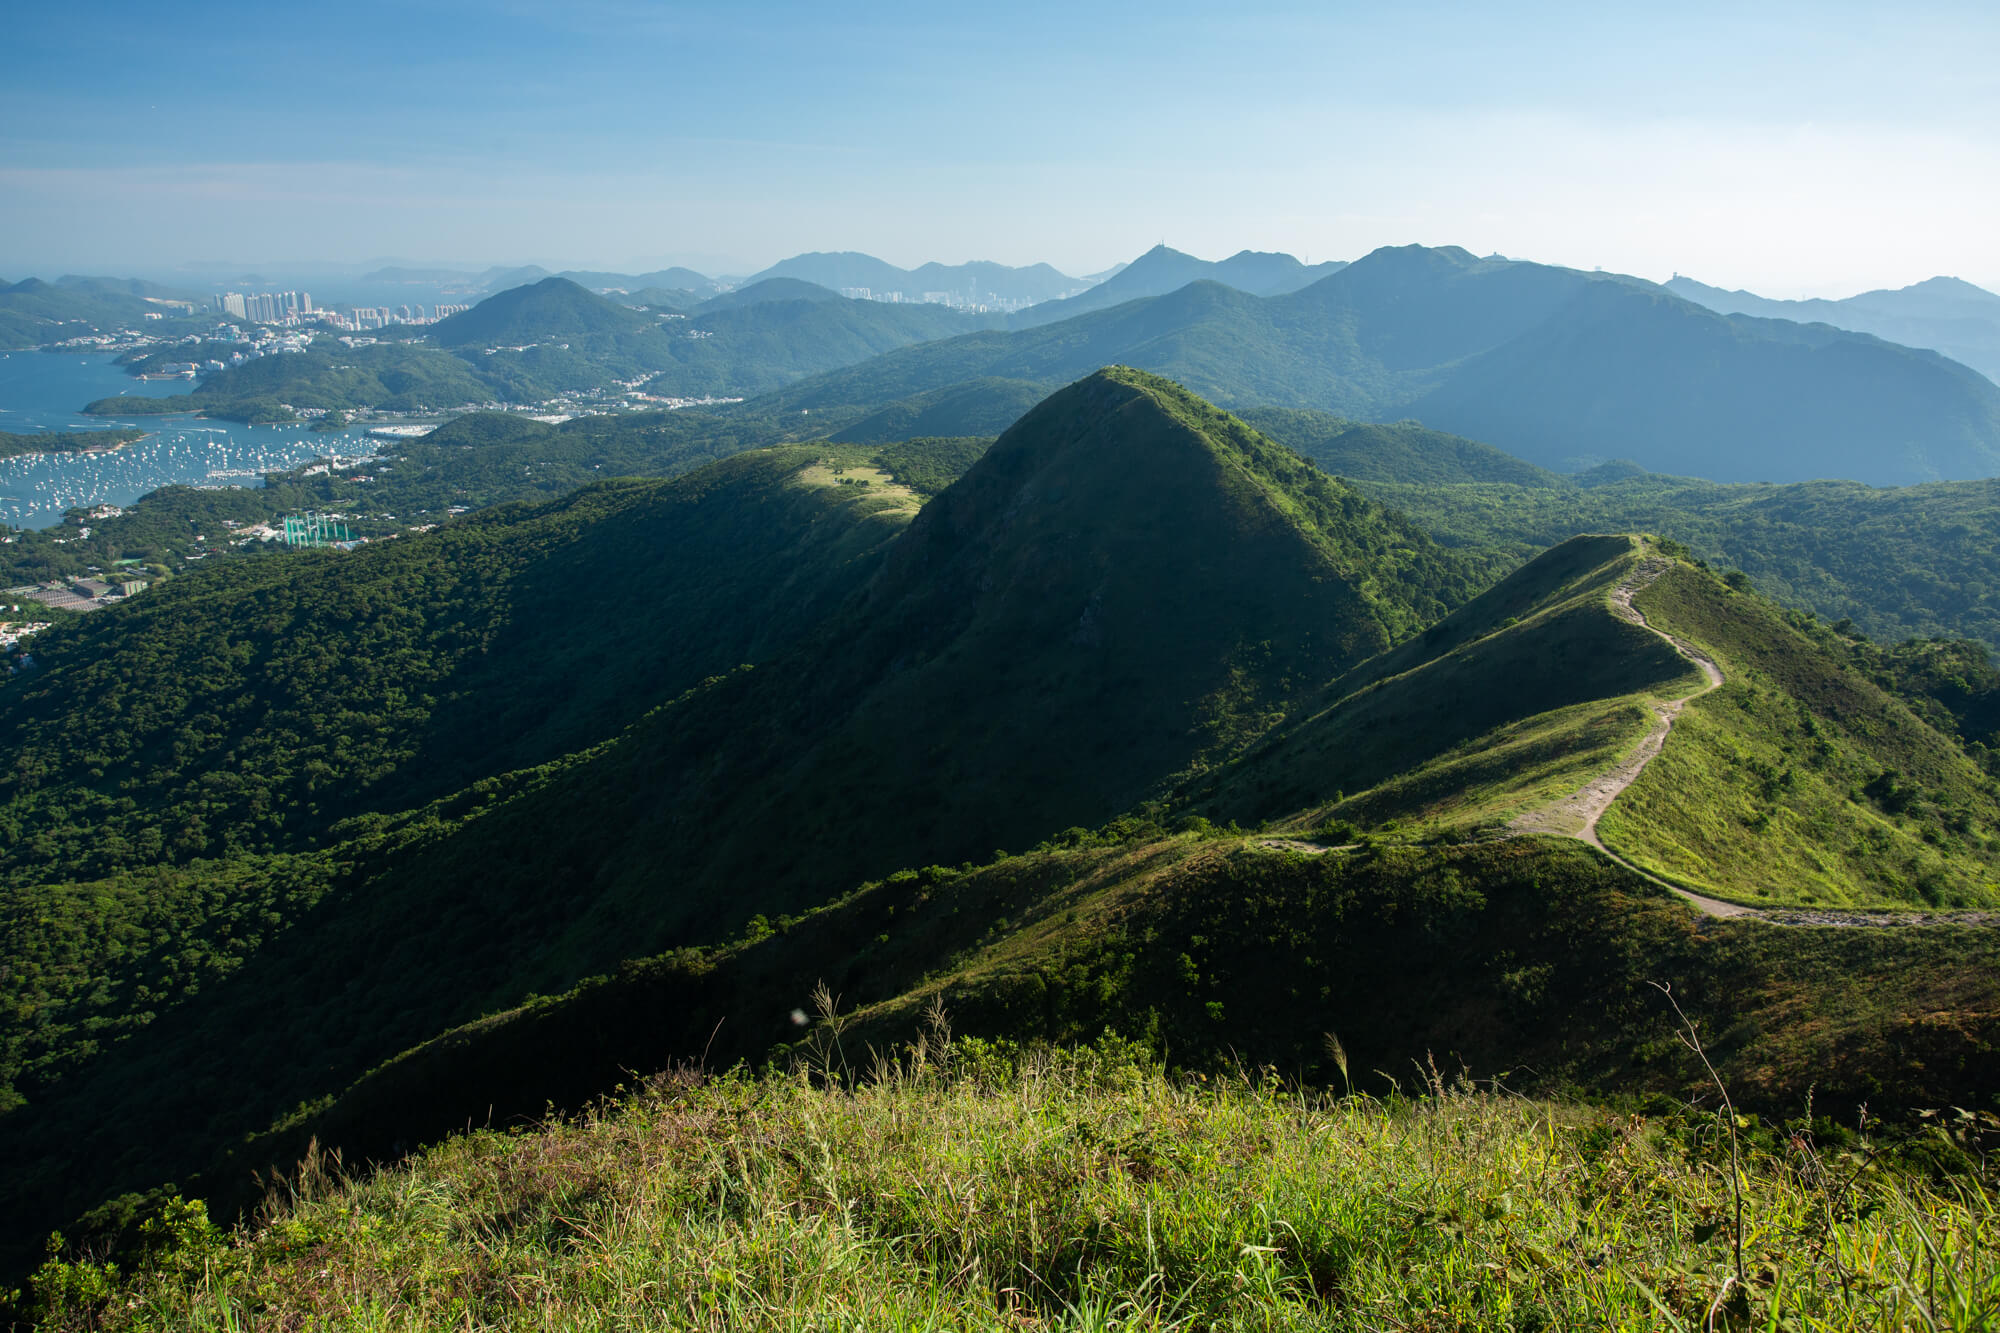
(67,442)
(136,405)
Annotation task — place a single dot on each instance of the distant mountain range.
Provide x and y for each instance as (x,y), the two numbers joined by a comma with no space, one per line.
(1161,270)
(979,281)
(531,343)
(1944,314)
(1562,368)
(1565,369)
(1158,271)
(976,282)
(500,279)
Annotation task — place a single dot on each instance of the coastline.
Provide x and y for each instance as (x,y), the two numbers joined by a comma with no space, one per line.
(24,446)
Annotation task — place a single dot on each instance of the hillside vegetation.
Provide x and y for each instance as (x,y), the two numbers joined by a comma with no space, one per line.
(295,846)
(1816,785)
(1515,699)
(978,407)
(1402,452)
(310,707)
(224,721)
(34,312)
(973,1187)
(1822,782)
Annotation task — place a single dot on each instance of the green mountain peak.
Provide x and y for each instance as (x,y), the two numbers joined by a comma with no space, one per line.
(551,308)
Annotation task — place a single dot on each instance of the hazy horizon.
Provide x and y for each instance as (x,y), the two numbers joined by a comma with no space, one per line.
(1796,151)
(222,272)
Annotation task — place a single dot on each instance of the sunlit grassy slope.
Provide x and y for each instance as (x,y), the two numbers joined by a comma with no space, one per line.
(1516,698)
(965,1187)
(1800,780)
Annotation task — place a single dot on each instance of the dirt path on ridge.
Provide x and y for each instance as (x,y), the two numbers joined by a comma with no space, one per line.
(1576,815)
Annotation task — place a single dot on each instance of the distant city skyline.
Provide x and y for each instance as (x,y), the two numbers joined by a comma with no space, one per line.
(1794,150)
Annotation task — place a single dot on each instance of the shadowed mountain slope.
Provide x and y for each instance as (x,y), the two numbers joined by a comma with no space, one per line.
(1401,452)
(976,407)
(1644,375)
(217,716)
(1128,586)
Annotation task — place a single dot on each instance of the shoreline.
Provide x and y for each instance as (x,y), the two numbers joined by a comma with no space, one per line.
(93,450)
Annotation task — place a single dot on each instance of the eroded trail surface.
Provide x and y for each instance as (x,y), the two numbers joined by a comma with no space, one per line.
(1576,815)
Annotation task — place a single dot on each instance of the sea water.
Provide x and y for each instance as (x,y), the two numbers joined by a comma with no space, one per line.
(42,392)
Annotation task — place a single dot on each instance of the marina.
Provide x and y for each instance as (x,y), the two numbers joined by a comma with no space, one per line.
(44,392)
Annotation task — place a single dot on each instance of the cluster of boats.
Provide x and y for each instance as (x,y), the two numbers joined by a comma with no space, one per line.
(37,489)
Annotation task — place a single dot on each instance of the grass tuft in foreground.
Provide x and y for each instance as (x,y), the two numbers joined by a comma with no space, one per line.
(967,1185)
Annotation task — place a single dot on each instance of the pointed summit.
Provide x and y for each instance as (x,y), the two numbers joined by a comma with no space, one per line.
(1162,519)
(551,308)
(1126,588)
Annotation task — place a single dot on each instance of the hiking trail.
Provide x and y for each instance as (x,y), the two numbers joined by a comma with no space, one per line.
(1576,815)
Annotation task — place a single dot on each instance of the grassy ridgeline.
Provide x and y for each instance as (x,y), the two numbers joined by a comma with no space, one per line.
(964,1186)
(1815,785)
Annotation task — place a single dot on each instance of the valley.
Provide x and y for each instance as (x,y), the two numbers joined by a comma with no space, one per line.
(577,785)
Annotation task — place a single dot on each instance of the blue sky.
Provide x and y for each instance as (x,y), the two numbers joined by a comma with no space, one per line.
(1797,150)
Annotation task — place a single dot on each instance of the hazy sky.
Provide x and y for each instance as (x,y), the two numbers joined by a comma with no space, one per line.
(1796,150)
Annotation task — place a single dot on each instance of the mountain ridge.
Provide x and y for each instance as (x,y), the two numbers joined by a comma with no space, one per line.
(552,307)
(977,280)
(1162,270)
(1948,315)
(1621,369)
